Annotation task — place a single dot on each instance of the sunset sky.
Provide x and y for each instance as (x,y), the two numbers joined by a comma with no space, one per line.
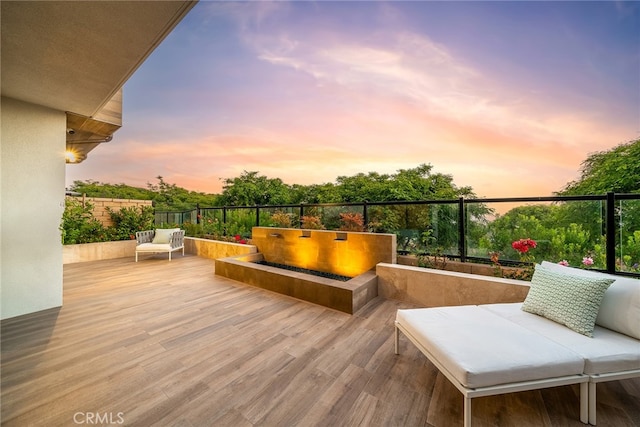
(507,97)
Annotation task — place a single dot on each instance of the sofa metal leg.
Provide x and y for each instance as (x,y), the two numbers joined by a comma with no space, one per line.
(584,402)
(397,340)
(467,411)
(592,403)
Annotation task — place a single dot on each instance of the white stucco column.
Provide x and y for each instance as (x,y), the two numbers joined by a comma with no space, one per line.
(32,178)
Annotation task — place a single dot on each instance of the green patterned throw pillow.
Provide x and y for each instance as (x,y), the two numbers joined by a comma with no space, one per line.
(573,301)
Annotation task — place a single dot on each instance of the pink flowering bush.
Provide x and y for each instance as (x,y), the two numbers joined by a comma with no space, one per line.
(587,261)
(524,245)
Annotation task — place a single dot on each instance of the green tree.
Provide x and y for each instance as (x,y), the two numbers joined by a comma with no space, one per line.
(117,191)
(165,196)
(250,189)
(418,183)
(616,170)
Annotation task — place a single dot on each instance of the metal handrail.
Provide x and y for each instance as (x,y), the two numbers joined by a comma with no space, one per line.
(609,199)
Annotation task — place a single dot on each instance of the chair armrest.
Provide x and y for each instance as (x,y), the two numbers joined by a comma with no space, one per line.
(145,236)
(177,239)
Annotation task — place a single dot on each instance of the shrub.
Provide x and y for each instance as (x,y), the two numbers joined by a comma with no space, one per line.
(128,220)
(78,224)
(281,219)
(351,221)
(312,222)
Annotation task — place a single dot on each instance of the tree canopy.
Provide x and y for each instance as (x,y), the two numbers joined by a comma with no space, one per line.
(165,196)
(251,189)
(616,170)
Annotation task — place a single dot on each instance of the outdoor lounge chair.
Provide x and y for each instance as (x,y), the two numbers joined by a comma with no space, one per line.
(159,241)
(500,348)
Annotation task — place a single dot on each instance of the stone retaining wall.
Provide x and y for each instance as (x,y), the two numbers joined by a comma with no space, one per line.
(100,206)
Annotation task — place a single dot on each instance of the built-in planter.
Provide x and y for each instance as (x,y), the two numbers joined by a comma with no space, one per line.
(126,248)
(457,266)
(427,287)
(214,249)
(98,251)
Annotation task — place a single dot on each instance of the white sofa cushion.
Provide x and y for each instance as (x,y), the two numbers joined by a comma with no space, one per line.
(573,301)
(480,348)
(607,351)
(620,307)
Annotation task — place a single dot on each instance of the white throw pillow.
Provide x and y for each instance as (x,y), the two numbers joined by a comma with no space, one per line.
(163,235)
(565,298)
(620,307)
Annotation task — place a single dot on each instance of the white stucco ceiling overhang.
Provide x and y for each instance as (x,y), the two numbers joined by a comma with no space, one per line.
(74,56)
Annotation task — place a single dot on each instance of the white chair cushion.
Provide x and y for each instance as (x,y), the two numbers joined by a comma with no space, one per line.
(153,247)
(620,307)
(607,351)
(480,348)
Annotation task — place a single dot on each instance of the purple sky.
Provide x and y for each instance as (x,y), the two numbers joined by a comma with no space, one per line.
(508,97)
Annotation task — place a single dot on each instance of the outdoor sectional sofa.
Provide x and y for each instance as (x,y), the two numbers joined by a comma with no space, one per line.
(159,241)
(494,349)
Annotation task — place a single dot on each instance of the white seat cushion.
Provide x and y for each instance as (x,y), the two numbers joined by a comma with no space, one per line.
(153,247)
(480,348)
(607,351)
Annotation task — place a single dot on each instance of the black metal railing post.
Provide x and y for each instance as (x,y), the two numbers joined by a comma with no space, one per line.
(365,218)
(611,233)
(197,213)
(224,220)
(462,241)
(257,216)
(301,215)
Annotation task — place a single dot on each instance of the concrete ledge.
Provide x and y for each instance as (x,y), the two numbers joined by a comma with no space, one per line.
(435,288)
(96,251)
(214,249)
(127,248)
(347,297)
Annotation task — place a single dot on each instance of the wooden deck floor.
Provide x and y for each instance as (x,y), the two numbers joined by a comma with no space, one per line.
(169,344)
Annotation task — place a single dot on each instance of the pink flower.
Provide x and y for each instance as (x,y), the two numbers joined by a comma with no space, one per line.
(587,260)
(564,262)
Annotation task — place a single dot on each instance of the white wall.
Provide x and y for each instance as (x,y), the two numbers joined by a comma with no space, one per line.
(32,177)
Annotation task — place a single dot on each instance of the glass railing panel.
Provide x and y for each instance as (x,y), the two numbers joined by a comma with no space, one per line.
(628,236)
(571,231)
(280,216)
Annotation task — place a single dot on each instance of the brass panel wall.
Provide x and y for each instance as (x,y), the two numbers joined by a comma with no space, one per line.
(344,253)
